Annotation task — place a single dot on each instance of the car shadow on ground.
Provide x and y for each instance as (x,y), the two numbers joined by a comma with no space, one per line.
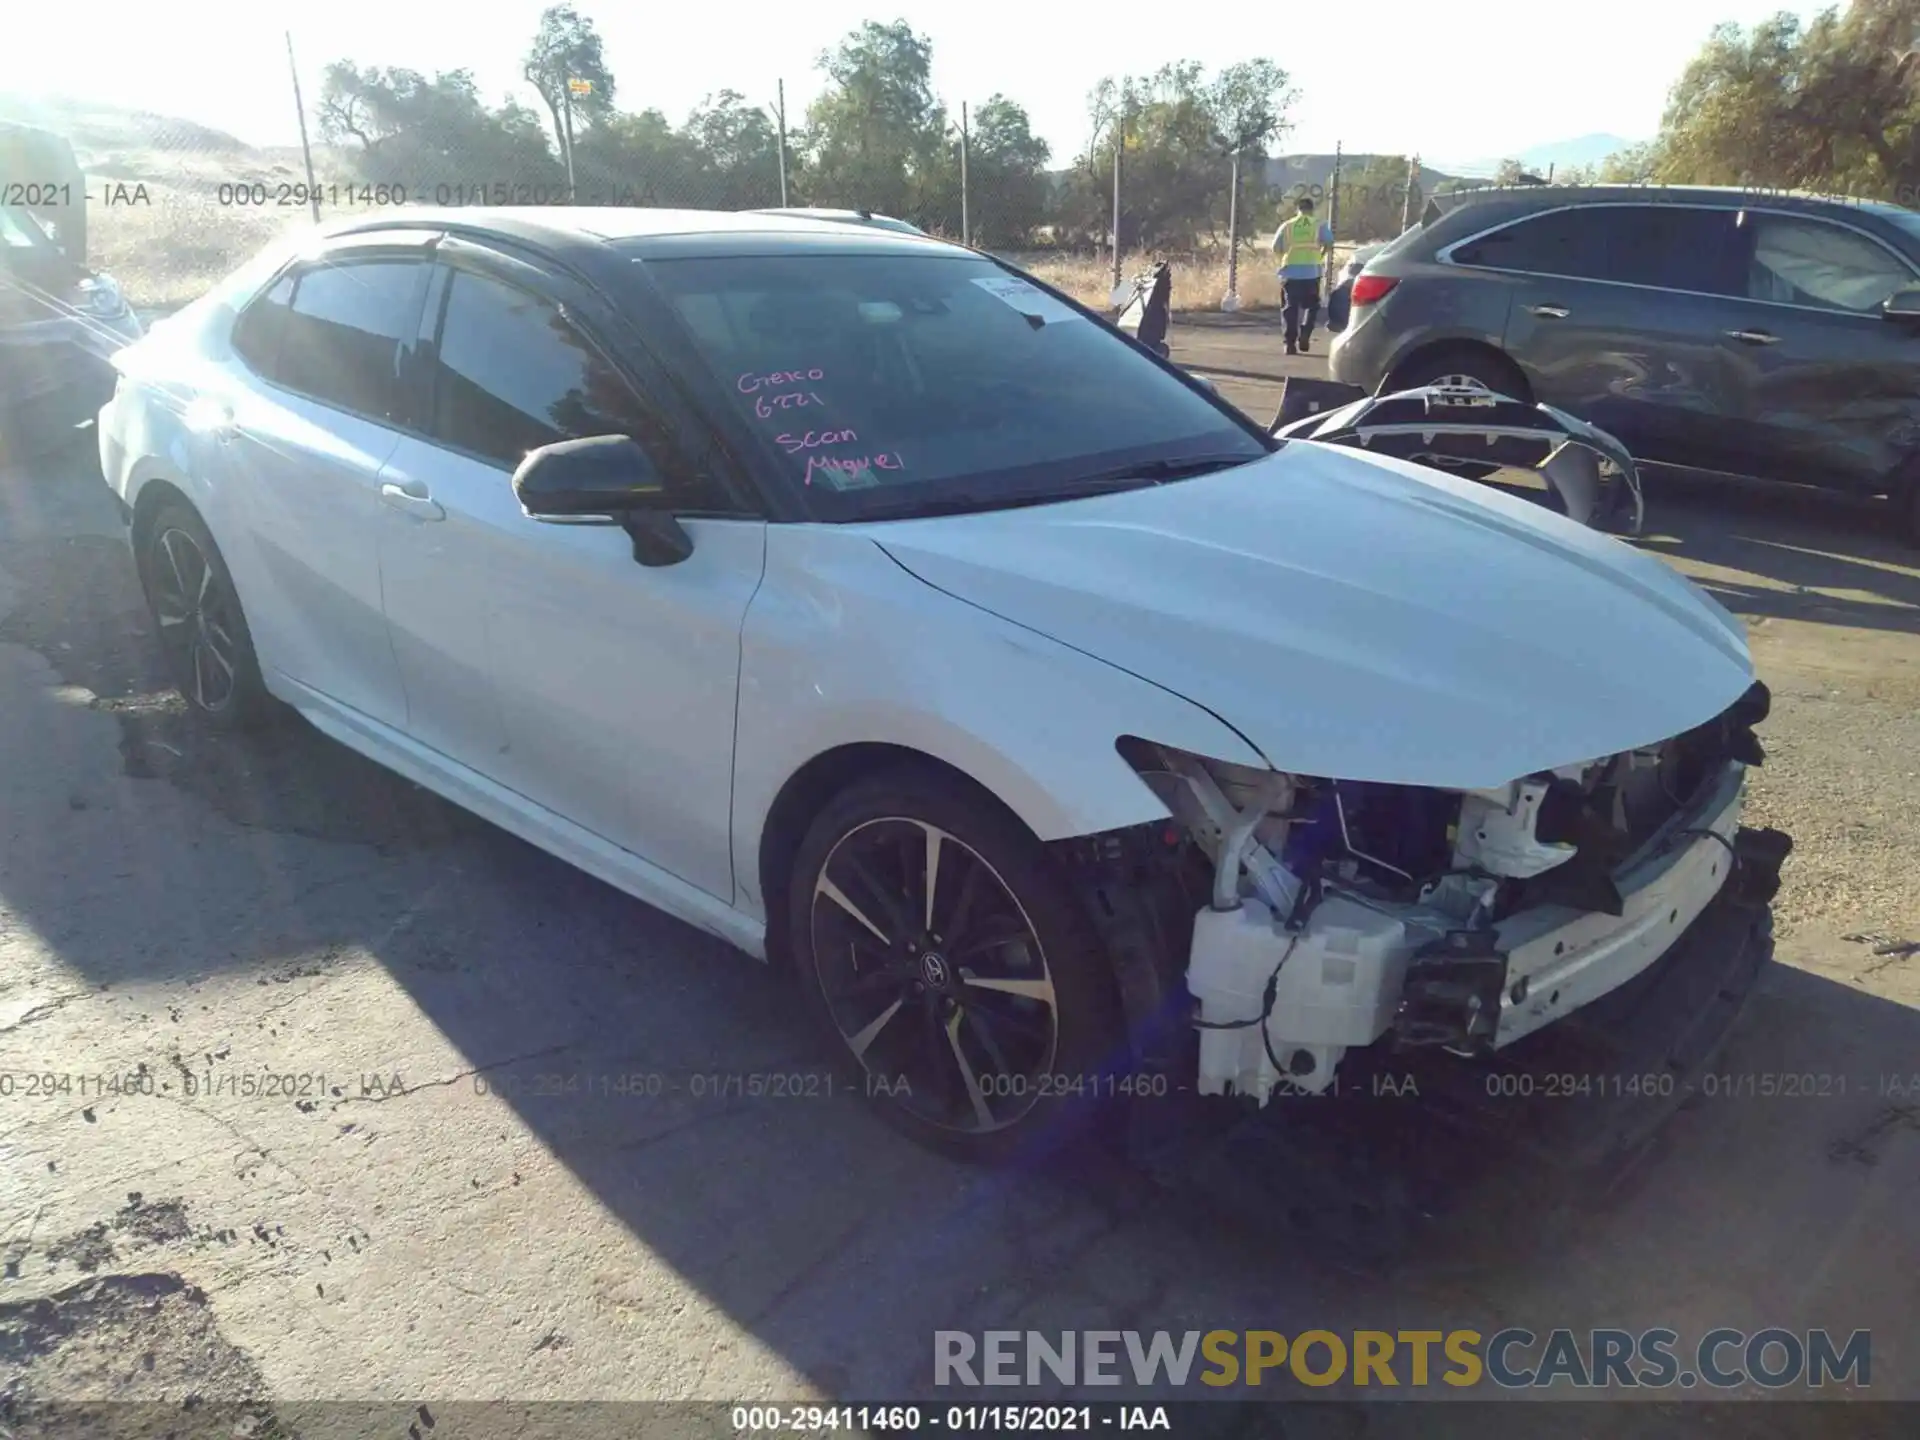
(1779,552)
(833,1243)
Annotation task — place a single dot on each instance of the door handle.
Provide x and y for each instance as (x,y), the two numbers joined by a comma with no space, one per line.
(1550,312)
(1753,337)
(412,499)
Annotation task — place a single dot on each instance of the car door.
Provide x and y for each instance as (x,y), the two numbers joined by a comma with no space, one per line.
(543,655)
(312,413)
(1831,388)
(1617,315)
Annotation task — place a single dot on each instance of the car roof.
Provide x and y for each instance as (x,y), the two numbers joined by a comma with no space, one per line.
(645,232)
(1548,196)
(851,217)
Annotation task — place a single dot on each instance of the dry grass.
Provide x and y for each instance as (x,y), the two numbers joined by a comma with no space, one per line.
(192,228)
(1199,280)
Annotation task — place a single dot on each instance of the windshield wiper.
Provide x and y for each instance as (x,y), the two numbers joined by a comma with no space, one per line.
(1137,476)
(968,501)
(1153,472)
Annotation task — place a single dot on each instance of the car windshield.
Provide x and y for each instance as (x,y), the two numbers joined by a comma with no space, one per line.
(897,384)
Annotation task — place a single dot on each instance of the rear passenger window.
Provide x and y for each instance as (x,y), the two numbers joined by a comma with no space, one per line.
(1667,247)
(343,335)
(1558,243)
(262,327)
(1671,247)
(514,375)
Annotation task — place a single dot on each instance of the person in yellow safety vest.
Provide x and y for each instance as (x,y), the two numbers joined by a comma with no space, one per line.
(1302,243)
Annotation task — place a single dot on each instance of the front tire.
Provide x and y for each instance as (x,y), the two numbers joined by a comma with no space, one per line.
(198,621)
(948,964)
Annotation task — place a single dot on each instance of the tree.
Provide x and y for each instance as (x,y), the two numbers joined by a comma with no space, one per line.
(567,47)
(1177,131)
(641,159)
(1007,181)
(1249,102)
(877,139)
(1374,201)
(1830,105)
(1633,166)
(739,152)
(402,127)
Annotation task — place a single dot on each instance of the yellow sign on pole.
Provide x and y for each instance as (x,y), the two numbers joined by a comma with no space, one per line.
(580,87)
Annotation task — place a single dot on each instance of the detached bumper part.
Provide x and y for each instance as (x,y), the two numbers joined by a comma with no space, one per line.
(1469,429)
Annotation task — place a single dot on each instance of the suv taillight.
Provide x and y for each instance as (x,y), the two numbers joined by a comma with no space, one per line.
(1369,288)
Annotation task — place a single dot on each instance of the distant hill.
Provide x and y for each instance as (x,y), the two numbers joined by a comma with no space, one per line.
(90,126)
(1284,172)
(1559,154)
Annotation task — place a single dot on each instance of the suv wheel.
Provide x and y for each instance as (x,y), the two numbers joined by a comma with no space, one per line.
(1466,362)
(950,968)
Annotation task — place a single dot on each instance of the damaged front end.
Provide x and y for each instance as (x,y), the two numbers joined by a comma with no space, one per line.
(1310,918)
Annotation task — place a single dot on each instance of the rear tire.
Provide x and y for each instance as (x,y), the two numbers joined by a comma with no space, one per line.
(1471,362)
(983,1022)
(198,622)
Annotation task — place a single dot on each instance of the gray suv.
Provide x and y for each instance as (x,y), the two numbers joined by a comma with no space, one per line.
(1741,331)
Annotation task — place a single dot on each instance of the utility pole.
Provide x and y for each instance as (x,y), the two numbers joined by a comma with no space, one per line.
(1119,145)
(1231,302)
(1406,205)
(1333,214)
(300,109)
(966,229)
(780,115)
(585,87)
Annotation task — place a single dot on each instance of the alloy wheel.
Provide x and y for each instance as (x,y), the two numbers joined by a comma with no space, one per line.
(934,975)
(196,616)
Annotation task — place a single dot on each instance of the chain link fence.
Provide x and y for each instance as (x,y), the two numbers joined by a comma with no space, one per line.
(173,205)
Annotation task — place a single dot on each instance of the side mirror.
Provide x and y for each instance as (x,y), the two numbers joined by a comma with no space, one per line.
(605,478)
(1903,305)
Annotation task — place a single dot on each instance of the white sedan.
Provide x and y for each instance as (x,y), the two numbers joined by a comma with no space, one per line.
(867,604)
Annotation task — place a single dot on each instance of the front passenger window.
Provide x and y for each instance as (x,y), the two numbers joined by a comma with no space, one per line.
(514,375)
(1799,261)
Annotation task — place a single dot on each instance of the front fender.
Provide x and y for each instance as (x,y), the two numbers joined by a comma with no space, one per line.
(841,646)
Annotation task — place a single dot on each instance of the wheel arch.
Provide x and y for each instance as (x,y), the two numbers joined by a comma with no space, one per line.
(1434,347)
(150,494)
(811,788)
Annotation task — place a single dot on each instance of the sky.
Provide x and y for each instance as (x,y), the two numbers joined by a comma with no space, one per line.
(1451,82)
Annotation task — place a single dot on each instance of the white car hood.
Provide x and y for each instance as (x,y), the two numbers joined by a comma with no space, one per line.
(1356,617)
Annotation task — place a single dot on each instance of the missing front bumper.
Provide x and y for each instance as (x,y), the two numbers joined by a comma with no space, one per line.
(1585,1091)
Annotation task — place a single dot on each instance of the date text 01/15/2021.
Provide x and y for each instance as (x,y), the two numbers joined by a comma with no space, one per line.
(781,1420)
